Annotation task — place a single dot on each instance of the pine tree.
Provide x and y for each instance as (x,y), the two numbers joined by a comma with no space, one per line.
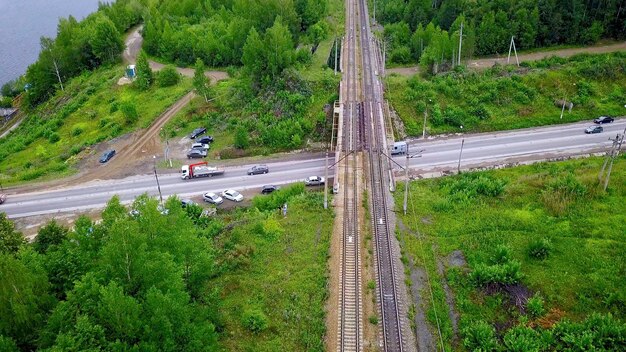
(144,72)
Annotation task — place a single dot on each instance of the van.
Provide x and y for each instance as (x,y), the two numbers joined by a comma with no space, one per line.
(399,148)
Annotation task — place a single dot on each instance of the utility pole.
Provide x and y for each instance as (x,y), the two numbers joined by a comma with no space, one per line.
(335,69)
(512,46)
(326,181)
(406,180)
(458,168)
(615,149)
(424,127)
(460,43)
(157,179)
(406,175)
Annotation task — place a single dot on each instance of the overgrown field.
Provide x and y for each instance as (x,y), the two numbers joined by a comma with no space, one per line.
(274,279)
(92,109)
(544,250)
(171,279)
(504,98)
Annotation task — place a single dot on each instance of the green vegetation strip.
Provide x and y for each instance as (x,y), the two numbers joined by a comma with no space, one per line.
(504,98)
(171,279)
(541,261)
(92,109)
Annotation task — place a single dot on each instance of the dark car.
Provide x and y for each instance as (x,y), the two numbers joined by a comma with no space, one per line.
(107,156)
(204,139)
(258,169)
(196,153)
(267,189)
(594,129)
(603,119)
(197,132)
(187,202)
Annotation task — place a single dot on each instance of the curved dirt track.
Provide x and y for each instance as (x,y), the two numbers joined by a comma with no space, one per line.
(490,61)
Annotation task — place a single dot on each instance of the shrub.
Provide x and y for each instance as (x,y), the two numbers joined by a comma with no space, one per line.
(254,320)
(168,76)
(560,193)
(77,131)
(373,319)
(540,249)
(479,336)
(241,138)
(522,339)
(534,306)
(504,274)
(129,110)
(54,137)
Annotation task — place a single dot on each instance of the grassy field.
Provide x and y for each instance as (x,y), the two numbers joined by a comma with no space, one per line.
(505,98)
(274,281)
(92,109)
(541,243)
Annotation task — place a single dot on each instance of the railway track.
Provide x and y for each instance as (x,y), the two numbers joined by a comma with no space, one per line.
(388,292)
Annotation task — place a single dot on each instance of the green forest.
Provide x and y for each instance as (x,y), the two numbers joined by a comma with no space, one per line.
(164,278)
(427,31)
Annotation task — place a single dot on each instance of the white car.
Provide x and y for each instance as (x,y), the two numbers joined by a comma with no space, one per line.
(233,195)
(314,181)
(200,146)
(212,198)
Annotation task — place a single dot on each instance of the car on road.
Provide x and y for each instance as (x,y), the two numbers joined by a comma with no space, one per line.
(603,119)
(187,202)
(107,156)
(200,146)
(233,195)
(258,169)
(267,189)
(204,139)
(3,198)
(212,198)
(198,131)
(196,153)
(594,129)
(314,181)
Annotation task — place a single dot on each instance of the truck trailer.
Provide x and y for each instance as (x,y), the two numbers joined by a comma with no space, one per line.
(201,169)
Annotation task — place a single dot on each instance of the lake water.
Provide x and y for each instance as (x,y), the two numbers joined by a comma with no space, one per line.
(23,22)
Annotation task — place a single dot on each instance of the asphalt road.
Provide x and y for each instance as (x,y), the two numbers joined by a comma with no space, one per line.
(441,153)
(96,194)
(511,146)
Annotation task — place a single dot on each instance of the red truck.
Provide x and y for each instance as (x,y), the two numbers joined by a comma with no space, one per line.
(201,169)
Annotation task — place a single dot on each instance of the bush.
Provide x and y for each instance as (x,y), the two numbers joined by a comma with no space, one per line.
(504,274)
(373,319)
(276,199)
(77,131)
(241,138)
(540,249)
(54,137)
(168,76)
(522,339)
(129,110)
(479,336)
(560,193)
(254,320)
(535,306)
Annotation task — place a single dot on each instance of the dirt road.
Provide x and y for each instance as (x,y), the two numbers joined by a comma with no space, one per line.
(134,42)
(490,61)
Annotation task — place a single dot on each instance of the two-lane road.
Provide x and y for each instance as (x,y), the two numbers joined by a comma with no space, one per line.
(441,153)
(510,146)
(97,193)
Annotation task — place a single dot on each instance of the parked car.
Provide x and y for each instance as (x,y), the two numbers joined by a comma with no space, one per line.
(603,119)
(107,156)
(196,153)
(314,181)
(200,146)
(212,198)
(187,202)
(198,131)
(233,195)
(258,169)
(594,129)
(267,189)
(204,139)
